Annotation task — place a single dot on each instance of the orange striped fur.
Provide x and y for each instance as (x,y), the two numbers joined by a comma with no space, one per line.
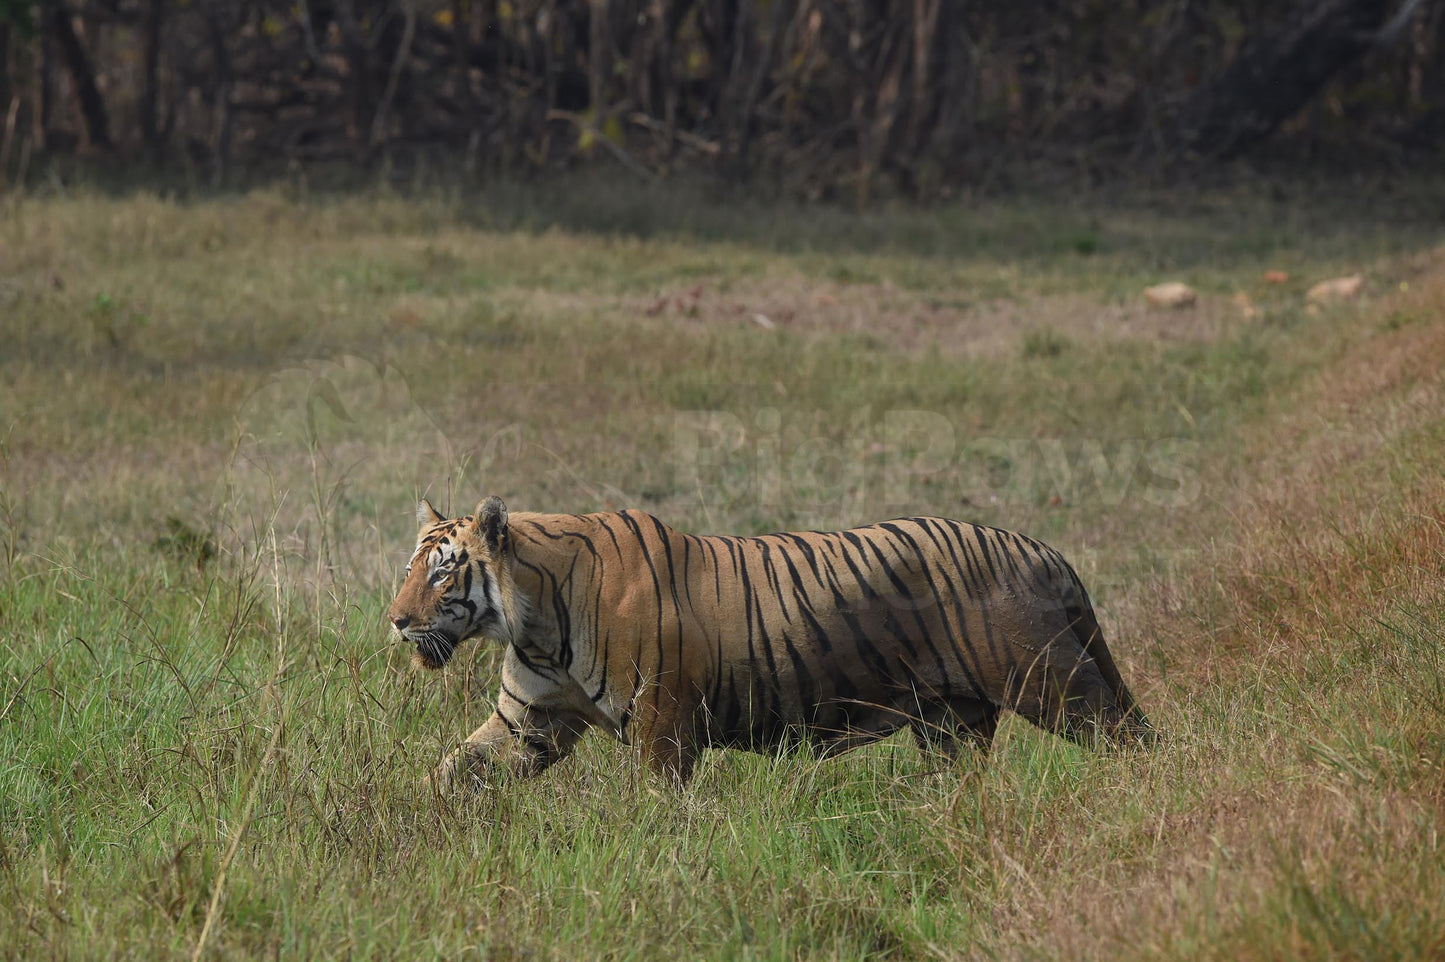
(675,642)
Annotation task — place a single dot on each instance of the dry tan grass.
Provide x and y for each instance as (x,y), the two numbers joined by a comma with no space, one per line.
(1332,539)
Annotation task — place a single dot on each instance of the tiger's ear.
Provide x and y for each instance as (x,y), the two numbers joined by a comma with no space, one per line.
(426,514)
(491,516)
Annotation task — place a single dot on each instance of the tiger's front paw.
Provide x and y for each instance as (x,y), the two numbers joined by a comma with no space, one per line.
(442,778)
(460,769)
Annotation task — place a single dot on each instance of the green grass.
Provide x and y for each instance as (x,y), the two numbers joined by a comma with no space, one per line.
(218,415)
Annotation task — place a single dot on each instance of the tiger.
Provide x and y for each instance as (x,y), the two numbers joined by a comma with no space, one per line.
(674,643)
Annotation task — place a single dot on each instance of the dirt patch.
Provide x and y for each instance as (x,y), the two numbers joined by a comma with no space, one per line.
(953,323)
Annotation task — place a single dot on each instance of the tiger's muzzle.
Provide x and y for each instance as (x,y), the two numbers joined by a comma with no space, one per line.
(433,648)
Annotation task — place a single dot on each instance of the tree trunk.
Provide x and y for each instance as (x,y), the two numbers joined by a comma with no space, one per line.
(1276,76)
(9,106)
(358,61)
(221,105)
(43,92)
(718,23)
(4,66)
(783,11)
(150,120)
(398,65)
(77,63)
(599,65)
(668,17)
(927,51)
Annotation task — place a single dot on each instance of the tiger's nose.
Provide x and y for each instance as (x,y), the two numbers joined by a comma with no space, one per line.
(401,621)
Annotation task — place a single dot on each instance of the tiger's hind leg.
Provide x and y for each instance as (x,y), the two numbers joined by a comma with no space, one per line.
(1135,726)
(1064,691)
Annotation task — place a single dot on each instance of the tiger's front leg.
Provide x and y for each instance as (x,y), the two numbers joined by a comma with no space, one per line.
(523,745)
(666,732)
(537,722)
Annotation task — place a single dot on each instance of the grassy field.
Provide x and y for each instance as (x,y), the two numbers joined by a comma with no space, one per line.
(217,416)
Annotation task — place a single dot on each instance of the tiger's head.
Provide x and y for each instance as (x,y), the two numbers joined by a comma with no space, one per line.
(458,584)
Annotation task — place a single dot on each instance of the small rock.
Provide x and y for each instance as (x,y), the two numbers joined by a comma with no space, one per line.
(764,321)
(1275,277)
(1336,289)
(1246,306)
(1172,295)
